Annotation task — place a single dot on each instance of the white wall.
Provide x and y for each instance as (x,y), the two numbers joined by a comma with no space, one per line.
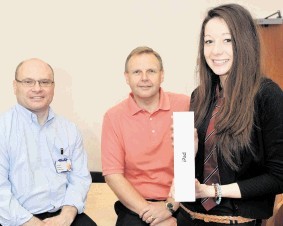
(87,42)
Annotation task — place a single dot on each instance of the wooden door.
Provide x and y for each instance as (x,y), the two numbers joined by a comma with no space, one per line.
(272,52)
(272,61)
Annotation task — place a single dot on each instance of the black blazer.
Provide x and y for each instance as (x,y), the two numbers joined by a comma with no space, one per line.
(260,176)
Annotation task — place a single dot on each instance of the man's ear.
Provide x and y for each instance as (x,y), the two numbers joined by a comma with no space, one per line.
(162,76)
(15,86)
(126,75)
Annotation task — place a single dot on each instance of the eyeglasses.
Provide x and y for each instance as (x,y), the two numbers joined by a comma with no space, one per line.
(31,82)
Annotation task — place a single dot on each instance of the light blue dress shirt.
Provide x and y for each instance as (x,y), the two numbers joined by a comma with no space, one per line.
(29,182)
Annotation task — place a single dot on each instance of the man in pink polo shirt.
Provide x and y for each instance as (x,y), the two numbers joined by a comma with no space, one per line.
(137,152)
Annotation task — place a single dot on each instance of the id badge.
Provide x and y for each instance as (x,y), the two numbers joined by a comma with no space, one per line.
(63,165)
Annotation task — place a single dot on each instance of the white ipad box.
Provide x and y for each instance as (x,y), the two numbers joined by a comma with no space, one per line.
(184,157)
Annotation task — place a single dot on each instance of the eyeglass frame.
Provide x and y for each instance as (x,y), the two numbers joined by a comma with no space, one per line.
(40,82)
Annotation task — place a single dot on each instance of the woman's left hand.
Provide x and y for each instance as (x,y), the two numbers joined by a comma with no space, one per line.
(203,190)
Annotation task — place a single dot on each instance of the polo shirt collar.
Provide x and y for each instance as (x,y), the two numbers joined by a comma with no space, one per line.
(164,103)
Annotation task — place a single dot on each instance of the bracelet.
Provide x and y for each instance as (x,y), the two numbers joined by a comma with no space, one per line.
(218,193)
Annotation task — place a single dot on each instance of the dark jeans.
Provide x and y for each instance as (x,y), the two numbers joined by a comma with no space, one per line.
(127,217)
(183,219)
(80,220)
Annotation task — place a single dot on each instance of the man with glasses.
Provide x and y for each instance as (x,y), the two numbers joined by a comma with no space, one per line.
(44,177)
(137,153)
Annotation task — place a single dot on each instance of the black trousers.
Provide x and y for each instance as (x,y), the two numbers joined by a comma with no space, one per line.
(80,220)
(127,217)
(183,219)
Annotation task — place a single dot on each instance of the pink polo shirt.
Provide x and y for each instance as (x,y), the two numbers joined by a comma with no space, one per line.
(139,145)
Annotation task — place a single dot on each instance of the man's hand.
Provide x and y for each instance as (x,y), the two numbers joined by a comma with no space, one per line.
(34,221)
(154,213)
(65,218)
(57,221)
(168,222)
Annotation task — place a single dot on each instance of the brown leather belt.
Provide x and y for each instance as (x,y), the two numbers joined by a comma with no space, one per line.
(216,218)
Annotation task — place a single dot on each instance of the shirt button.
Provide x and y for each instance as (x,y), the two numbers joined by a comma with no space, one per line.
(150,119)
(153,131)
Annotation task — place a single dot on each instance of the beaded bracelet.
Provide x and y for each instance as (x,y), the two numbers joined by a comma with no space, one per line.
(218,193)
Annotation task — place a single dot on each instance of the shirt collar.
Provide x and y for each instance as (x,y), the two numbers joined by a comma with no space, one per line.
(164,103)
(30,116)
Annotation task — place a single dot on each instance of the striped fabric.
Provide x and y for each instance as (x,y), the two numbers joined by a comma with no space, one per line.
(210,172)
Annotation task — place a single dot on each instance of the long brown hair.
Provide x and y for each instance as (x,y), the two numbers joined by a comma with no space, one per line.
(235,119)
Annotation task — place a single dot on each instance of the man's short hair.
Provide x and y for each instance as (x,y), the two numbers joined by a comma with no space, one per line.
(20,64)
(141,50)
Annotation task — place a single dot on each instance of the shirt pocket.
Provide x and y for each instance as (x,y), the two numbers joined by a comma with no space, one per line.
(61,150)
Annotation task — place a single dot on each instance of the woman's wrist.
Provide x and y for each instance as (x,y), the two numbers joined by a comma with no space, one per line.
(217,193)
(209,191)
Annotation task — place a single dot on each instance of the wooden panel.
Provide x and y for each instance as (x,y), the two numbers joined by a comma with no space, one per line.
(100,204)
(272,52)
(272,60)
(277,218)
